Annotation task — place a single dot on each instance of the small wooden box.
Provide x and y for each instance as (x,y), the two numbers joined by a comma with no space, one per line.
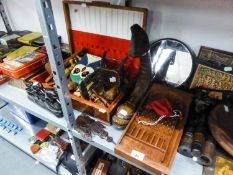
(101,27)
(154,147)
(96,110)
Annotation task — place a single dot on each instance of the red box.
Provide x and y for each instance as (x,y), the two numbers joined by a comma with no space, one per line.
(17,72)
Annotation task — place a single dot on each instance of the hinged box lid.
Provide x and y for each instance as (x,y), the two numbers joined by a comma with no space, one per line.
(101,27)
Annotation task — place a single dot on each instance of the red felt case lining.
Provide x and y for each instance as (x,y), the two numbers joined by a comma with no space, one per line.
(116,48)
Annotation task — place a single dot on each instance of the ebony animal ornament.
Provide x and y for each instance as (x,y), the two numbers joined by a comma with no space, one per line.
(46,98)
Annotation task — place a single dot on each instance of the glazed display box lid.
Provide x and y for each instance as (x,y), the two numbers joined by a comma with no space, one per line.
(101,27)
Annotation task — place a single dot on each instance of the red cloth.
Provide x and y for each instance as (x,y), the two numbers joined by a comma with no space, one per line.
(160,107)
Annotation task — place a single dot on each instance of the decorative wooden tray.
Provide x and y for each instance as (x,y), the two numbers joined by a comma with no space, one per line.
(154,147)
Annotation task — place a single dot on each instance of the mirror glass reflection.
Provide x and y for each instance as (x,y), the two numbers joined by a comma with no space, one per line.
(172,62)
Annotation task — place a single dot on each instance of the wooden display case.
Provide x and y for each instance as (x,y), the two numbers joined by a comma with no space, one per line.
(101,27)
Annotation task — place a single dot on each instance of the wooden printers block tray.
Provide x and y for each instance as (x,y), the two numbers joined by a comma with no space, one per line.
(154,147)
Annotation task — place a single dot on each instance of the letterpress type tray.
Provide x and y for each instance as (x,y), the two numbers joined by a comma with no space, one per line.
(101,27)
(154,147)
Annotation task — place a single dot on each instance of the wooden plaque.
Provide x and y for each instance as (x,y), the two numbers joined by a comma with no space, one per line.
(210,78)
(216,56)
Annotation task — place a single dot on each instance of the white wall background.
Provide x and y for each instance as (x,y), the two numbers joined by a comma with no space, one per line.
(196,22)
(2,27)
(23,16)
(199,22)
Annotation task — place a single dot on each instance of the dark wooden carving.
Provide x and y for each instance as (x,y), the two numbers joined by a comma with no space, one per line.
(221,127)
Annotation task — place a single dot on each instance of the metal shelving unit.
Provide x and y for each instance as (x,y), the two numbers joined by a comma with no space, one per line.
(4,17)
(21,140)
(47,22)
(19,97)
(2,103)
(67,123)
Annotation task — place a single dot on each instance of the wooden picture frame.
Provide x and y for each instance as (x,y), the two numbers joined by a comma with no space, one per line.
(210,78)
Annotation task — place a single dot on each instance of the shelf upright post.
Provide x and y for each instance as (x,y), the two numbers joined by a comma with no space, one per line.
(49,31)
(4,17)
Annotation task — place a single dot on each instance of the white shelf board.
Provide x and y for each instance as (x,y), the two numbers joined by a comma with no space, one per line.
(184,165)
(103,144)
(2,103)
(180,162)
(19,97)
(107,146)
(21,140)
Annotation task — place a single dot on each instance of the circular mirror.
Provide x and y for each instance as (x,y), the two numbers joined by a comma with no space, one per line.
(172,61)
